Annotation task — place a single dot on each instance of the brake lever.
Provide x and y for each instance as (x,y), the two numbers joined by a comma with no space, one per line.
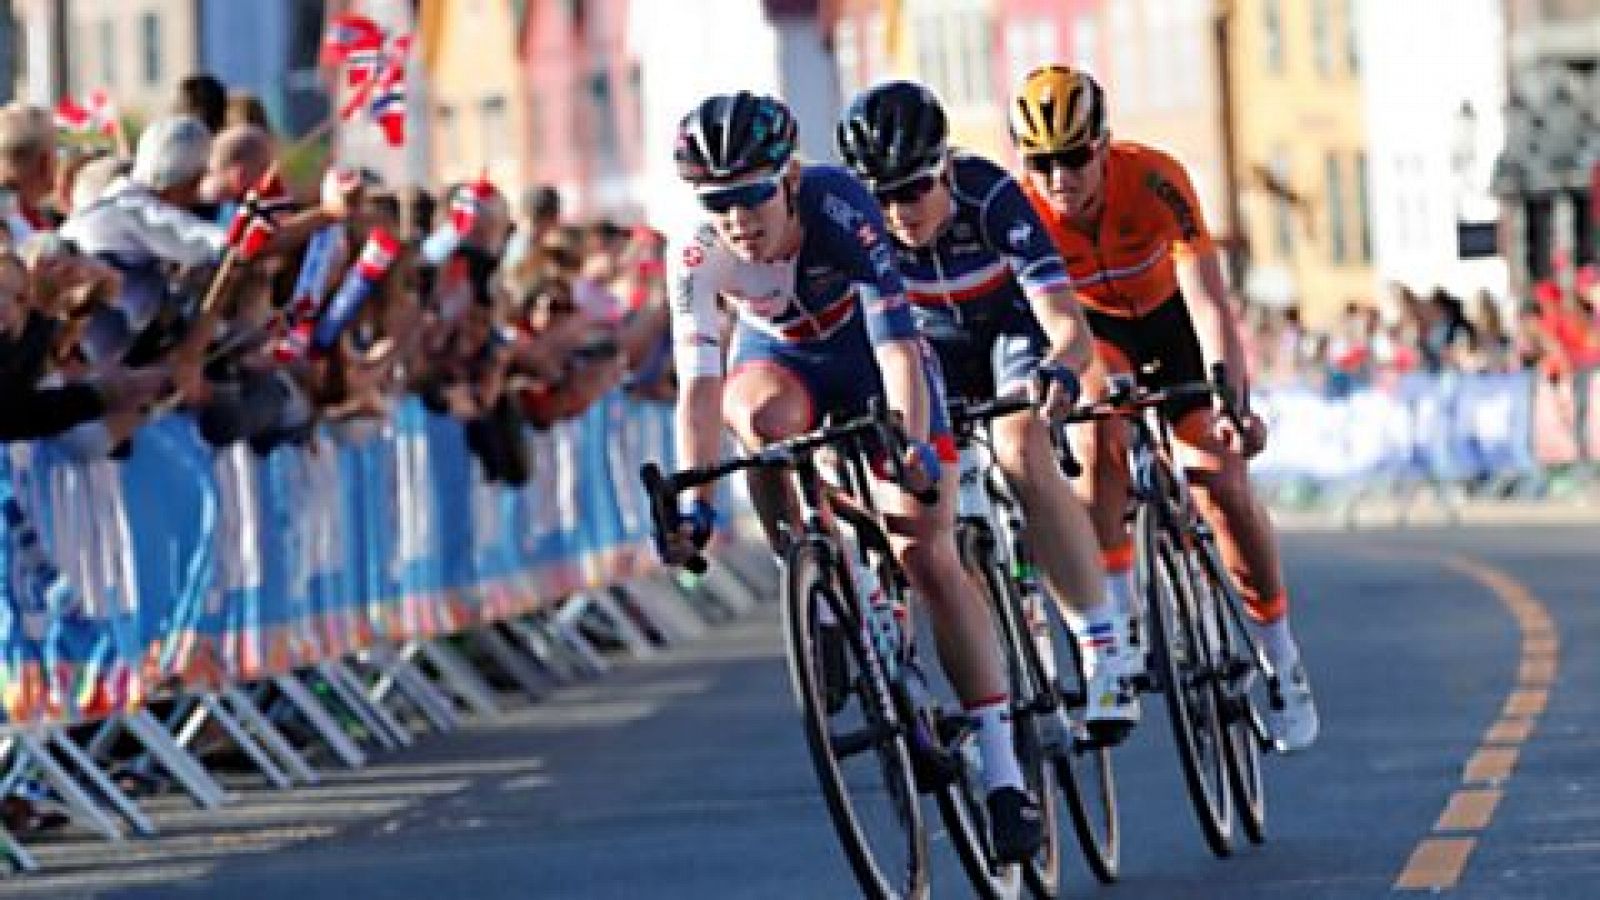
(894,443)
(1226,393)
(1064,455)
(663,515)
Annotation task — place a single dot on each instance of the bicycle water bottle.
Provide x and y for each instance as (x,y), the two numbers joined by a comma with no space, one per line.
(881,621)
(972,497)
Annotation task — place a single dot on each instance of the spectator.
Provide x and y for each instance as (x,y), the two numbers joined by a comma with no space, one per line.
(540,214)
(240,156)
(27,170)
(1448,335)
(203,97)
(90,181)
(245,108)
(1491,341)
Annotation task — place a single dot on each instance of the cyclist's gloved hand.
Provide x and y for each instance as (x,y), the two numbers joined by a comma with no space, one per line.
(697,520)
(923,467)
(1057,390)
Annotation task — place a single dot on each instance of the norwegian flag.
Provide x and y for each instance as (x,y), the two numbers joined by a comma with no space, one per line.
(384,100)
(95,114)
(351,38)
(468,205)
(255,223)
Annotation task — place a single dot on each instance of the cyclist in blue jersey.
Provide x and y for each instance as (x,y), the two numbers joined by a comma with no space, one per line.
(989,291)
(798,253)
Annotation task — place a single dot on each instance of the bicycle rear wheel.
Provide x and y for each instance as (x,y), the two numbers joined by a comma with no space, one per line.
(1088,784)
(859,753)
(1183,652)
(962,804)
(1242,693)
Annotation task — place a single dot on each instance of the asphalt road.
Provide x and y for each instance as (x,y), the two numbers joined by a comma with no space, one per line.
(685,777)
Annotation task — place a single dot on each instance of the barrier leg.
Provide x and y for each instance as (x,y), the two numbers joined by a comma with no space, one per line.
(317,717)
(377,721)
(563,624)
(241,737)
(21,860)
(398,672)
(124,805)
(511,662)
(72,794)
(662,606)
(458,675)
(628,631)
(177,761)
(534,634)
(271,738)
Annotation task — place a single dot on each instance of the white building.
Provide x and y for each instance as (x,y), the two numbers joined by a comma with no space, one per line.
(727,45)
(1434,85)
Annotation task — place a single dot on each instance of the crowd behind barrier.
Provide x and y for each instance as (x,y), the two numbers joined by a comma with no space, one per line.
(1522,433)
(187,571)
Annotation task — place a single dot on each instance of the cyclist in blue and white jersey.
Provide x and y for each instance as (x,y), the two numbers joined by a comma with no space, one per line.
(990,292)
(798,253)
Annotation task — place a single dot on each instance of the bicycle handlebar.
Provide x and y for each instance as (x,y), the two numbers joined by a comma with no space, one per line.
(662,489)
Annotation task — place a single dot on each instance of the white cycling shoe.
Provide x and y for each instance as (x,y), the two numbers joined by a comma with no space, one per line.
(1294,726)
(1111,708)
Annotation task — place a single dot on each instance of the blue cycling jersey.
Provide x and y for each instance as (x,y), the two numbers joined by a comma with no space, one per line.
(845,265)
(992,253)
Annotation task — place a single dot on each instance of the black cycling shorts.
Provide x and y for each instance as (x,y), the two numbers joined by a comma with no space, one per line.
(1165,337)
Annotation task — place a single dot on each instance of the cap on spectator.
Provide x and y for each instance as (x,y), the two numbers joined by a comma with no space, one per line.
(172,150)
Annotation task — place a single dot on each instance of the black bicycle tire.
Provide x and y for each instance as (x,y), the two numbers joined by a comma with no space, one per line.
(1243,747)
(1211,802)
(1102,845)
(806,561)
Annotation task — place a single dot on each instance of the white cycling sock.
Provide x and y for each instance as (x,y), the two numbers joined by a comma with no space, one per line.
(1120,590)
(1000,769)
(1101,634)
(1278,642)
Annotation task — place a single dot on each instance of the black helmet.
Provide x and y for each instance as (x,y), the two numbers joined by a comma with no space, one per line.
(730,135)
(892,131)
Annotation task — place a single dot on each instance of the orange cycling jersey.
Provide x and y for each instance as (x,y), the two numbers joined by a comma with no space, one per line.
(1150,220)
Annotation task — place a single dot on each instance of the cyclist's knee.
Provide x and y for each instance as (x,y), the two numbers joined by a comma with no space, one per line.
(767,419)
(1023,447)
(1224,492)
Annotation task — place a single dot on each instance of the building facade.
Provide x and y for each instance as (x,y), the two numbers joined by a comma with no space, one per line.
(1300,133)
(137,52)
(477,94)
(1548,174)
(1435,126)
(278,63)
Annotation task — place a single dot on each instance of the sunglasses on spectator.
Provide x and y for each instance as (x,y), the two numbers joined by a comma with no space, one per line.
(1071,160)
(744,196)
(907,192)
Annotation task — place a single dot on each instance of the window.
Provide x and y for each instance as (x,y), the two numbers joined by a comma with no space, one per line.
(1352,35)
(494,131)
(1272,34)
(108,54)
(1321,37)
(1282,212)
(150,43)
(1338,249)
(449,133)
(1029,44)
(602,101)
(1363,210)
(1125,73)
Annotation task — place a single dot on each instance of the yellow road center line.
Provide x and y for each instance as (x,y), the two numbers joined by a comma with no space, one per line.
(1509,731)
(1436,864)
(1526,702)
(1468,810)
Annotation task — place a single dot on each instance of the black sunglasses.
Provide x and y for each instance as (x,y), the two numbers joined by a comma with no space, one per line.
(908,193)
(746,196)
(1071,160)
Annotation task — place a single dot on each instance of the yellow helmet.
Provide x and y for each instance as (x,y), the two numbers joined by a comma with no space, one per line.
(1057,108)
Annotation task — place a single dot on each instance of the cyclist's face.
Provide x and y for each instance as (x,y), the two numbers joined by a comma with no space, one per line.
(1072,182)
(916,211)
(753,217)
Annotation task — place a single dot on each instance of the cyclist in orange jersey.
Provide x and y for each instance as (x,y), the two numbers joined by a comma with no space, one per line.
(1136,247)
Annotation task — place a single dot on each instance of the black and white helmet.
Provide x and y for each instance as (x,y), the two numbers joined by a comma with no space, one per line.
(729,136)
(891,132)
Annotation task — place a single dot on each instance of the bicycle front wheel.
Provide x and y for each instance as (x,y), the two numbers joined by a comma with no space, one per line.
(858,749)
(1088,784)
(1242,693)
(1183,655)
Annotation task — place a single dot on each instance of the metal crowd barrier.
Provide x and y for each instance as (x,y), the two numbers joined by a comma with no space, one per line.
(359,586)
(1455,436)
